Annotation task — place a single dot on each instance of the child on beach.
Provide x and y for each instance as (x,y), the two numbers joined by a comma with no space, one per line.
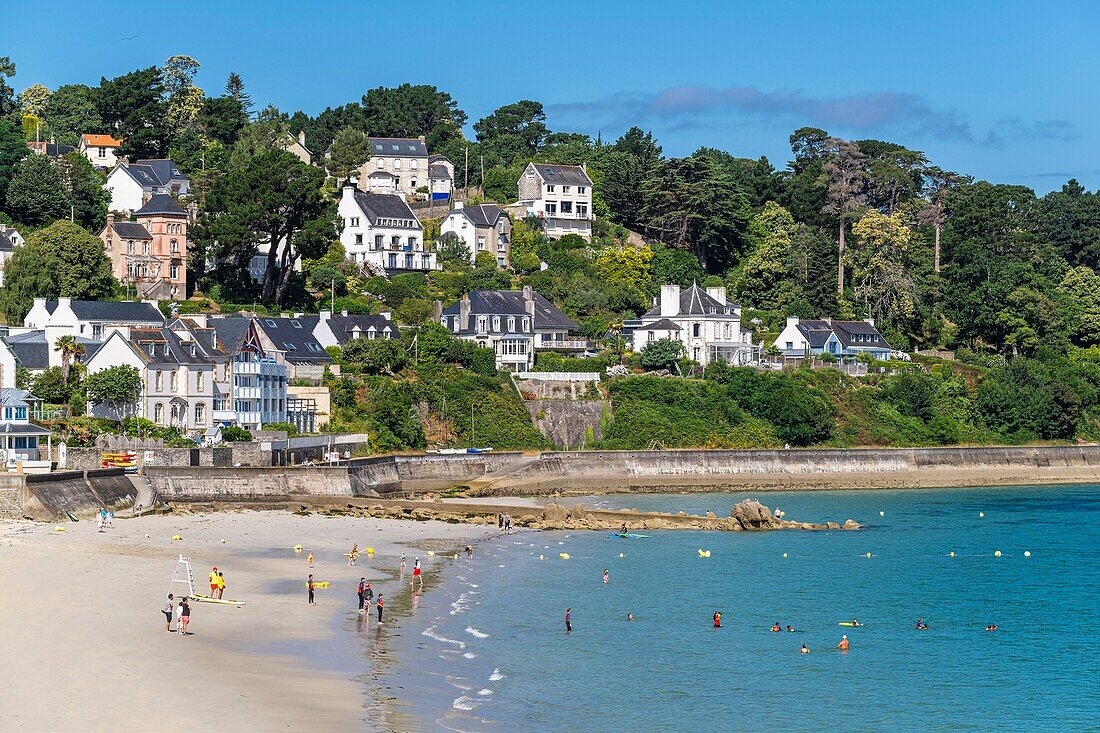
(309,560)
(417,576)
(403,565)
(353,554)
(221,584)
(309,585)
(167,611)
(179,617)
(360,591)
(99,521)
(379,604)
(214,582)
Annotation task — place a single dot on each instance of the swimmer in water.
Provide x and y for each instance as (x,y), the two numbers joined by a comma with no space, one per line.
(991,627)
(622,530)
(717,620)
(804,650)
(776,627)
(921,625)
(606,577)
(843,645)
(791,628)
(855,622)
(568,622)
(630,617)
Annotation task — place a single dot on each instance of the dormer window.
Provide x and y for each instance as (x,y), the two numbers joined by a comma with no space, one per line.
(496,323)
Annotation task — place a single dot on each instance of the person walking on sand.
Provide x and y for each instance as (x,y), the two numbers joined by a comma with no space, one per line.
(361,590)
(404,564)
(500,521)
(417,575)
(214,582)
(185,616)
(99,521)
(353,554)
(843,645)
(568,621)
(221,584)
(169,607)
(309,586)
(309,560)
(379,604)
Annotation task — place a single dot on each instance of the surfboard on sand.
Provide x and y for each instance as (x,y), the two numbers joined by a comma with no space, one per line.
(222,601)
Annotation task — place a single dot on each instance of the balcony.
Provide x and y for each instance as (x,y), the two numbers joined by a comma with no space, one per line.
(247,393)
(223,416)
(566,344)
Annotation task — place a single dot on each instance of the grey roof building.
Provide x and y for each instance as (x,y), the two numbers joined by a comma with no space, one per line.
(32,350)
(336,329)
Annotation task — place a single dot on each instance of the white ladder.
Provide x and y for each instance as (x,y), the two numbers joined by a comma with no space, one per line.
(183,568)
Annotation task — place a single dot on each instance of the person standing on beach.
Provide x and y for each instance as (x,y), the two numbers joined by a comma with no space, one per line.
(167,611)
(99,521)
(568,621)
(309,560)
(214,582)
(362,589)
(185,616)
(221,584)
(403,565)
(309,585)
(379,604)
(353,554)
(417,575)
(110,519)
(469,552)
(179,617)
(500,521)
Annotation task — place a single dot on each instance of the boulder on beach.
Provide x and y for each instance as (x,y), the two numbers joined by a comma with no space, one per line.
(752,515)
(554,513)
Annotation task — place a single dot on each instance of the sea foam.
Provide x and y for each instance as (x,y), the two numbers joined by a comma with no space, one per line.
(476,633)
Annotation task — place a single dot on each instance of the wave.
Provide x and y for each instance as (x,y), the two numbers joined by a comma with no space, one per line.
(476,633)
(430,633)
(463,703)
(485,692)
(470,655)
(496,676)
(460,604)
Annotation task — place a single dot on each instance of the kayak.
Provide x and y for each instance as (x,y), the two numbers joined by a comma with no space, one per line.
(848,623)
(628,536)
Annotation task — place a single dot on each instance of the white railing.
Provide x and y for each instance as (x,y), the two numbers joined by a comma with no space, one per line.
(560,376)
(568,344)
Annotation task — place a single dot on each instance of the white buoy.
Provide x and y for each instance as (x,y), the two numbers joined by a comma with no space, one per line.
(996,553)
(620,554)
(981,515)
(951,554)
(869,555)
(784,554)
(1027,553)
(882,514)
(542,557)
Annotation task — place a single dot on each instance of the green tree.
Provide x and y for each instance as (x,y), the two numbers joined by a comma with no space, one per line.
(117,388)
(895,174)
(61,260)
(13,148)
(84,185)
(36,194)
(33,100)
(273,198)
(52,386)
(625,266)
(877,261)
(234,89)
(1080,291)
(132,107)
(453,250)
(7,94)
(661,354)
(845,180)
(376,356)
(675,266)
(73,110)
(234,434)
(768,266)
(934,213)
(350,150)
(183,100)
(70,349)
(221,119)
(1070,220)
(409,111)
(512,132)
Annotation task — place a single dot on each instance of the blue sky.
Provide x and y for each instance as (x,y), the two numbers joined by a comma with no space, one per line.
(1006,91)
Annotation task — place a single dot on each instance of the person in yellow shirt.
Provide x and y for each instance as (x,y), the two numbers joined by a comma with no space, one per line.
(221,585)
(214,582)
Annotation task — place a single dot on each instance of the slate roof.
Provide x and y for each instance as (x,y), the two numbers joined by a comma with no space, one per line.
(295,341)
(231,332)
(32,351)
(439,172)
(54,150)
(22,428)
(113,311)
(847,332)
(511,303)
(815,332)
(163,169)
(161,205)
(568,175)
(662,325)
(5,243)
(203,337)
(131,230)
(695,301)
(377,206)
(343,327)
(398,146)
(483,216)
(163,346)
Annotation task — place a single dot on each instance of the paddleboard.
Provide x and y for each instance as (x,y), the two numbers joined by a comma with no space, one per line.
(223,601)
(628,536)
(849,623)
(319,584)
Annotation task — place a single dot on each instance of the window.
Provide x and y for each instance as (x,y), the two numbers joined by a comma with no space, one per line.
(7,413)
(158,413)
(200,382)
(481,327)
(103,152)
(790,345)
(358,238)
(580,189)
(145,248)
(565,189)
(159,380)
(526,325)
(397,164)
(355,221)
(296,324)
(582,209)
(378,240)
(289,346)
(381,162)
(511,323)
(651,337)
(21,413)
(496,323)
(271,323)
(549,188)
(412,242)
(174,271)
(480,243)
(172,381)
(129,248)
(414,164)
(174,246)
(695,330)
(551,207)
(200,414)
(567,207)
(20,442)
(412,182)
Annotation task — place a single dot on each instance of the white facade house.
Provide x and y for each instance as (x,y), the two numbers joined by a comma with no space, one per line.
(131,185)
(336,329)
(513,323)
(9,240)
(90,318)
(381,233)
(397,165)
(483,227)
(560,196)
(100,150)
(708,326)
(8,363)
(177,381)
(845,340)
(441,177)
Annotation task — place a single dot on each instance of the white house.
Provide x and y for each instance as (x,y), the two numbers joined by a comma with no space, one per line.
(397,165)
(9,240)
(36,349)
(441,177)
(708,327)
(483,227)
(177,379)
(100,150)
(559,195)
(8,363)
(336,329)
(381,233)
(90,318)
(513,323)
(131,185)
(19,438)
(845,340)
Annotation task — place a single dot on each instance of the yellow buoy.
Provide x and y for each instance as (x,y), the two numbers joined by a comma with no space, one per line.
(370,551)
(951,554)
(176,538)
(59,528)
(431,553)
(706,554)
(297,548)
(564,555)
(1027,553)
(869,555)
(996,553)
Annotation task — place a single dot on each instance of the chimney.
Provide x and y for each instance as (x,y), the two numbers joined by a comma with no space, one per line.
(437,311)
(302,138)
(528,293)
(324,315)
(718,293)
(792,321)
(529,301)
(670,300)
(420,138)
(458,205)
(111,220)
(344,313)
(870,321)
(464,312)
(584,167)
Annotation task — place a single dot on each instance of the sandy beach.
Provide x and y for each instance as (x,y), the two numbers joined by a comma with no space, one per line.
(84,639)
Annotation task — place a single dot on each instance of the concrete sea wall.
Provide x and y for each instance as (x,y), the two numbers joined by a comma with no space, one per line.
(49,497)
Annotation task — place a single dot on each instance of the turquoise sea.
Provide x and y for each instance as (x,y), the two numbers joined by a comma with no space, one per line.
(488,651)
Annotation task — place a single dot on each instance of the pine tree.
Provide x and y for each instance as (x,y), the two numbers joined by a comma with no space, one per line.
(234,88)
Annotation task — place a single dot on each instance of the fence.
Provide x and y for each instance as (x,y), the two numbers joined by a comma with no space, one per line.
(559,376)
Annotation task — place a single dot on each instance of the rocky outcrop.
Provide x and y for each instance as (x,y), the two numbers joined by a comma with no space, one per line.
(753,516)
